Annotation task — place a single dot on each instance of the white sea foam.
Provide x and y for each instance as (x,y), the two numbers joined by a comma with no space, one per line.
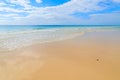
(14,40)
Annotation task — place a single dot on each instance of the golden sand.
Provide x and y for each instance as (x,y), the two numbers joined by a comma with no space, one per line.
(94,56)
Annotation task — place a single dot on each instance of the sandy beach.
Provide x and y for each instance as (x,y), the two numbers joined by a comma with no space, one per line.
(92,56)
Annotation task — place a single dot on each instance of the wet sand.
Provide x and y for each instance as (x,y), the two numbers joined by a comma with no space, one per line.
(93,56)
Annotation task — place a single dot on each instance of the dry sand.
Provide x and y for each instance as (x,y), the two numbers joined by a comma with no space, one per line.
(93,56)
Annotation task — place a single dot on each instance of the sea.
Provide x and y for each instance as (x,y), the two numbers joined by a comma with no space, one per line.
(19,36)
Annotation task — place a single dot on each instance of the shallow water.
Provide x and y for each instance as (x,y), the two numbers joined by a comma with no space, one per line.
(13,37)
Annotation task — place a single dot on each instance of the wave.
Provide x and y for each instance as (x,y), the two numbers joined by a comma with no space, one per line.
(15,40)
(12,41)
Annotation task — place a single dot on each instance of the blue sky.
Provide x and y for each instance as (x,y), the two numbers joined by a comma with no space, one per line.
(59,12)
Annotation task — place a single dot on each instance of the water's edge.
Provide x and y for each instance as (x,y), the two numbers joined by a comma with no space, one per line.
(15,40)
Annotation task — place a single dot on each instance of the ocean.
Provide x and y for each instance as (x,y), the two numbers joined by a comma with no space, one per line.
(16,28)
(18,36)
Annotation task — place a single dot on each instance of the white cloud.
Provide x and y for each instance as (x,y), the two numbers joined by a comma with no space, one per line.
(38,1)
(104,18)
(76,6)
(68,8)
(24,3)
(118,1)
(2,4)
(60,14)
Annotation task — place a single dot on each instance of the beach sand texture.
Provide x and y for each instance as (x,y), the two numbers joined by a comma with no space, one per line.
(92,56)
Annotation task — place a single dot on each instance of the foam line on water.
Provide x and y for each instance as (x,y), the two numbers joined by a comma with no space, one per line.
(11,41)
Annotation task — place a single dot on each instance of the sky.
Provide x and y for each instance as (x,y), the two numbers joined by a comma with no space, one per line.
(59,12)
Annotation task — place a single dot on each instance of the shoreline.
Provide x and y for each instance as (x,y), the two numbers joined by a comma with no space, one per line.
(28,38)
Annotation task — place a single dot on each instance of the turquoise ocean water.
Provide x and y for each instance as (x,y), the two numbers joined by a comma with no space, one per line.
(16,36)
(16,28)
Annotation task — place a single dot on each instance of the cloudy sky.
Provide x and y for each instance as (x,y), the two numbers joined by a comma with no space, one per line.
(59,12)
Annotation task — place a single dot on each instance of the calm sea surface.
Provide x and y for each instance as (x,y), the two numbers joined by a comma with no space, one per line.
(16,28)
